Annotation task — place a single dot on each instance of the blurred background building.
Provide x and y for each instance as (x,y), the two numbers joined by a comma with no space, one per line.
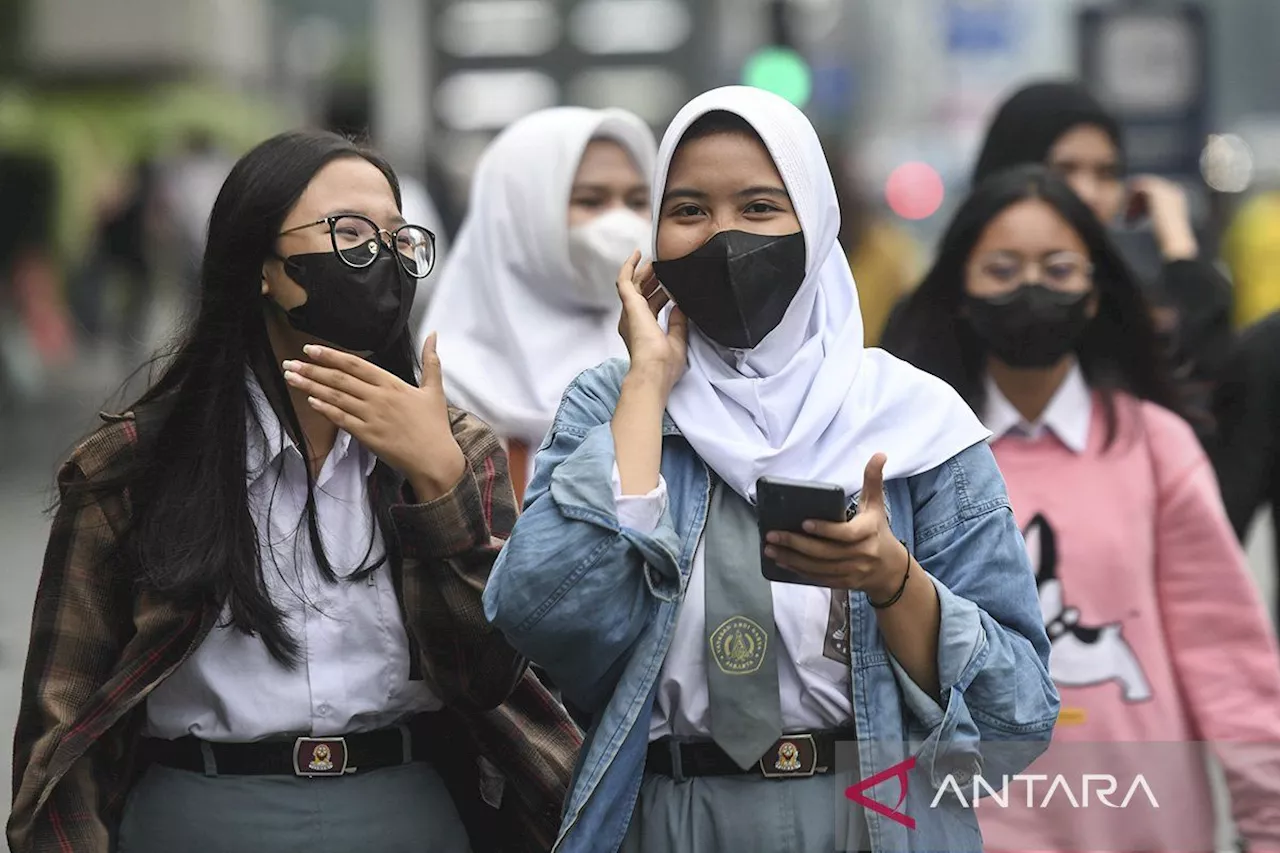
(119,119)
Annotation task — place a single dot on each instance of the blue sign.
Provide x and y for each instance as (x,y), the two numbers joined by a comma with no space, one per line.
(1126,53)
(979,26)
(834,85)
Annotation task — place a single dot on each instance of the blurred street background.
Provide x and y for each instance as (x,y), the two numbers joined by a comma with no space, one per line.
(120,118)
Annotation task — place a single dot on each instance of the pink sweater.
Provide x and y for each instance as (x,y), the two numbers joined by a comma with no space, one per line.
(1159,641)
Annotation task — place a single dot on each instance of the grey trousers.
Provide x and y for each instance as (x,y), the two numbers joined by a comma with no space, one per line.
(403,809)
(744,814)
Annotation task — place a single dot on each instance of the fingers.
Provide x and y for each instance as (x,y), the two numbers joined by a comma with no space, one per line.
(338,417)
(824,571)
(328,377)
(1149,182)
(649,287)
(628,290)
(432,375)
(353,365)
(333,396)
(872,496)
(627,275)
(861,527)
(657,300)
(810,546)
(644,278)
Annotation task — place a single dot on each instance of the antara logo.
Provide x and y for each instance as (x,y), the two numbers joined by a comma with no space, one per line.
(1102,787)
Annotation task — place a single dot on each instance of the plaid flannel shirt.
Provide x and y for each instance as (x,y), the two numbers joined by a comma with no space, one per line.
(99,646)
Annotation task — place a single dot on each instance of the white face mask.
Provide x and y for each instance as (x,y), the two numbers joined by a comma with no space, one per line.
(598,249)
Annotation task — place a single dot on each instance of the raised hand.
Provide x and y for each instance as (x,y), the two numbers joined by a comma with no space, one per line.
(860,554)
(407,426)
(655,354)
(1166,203)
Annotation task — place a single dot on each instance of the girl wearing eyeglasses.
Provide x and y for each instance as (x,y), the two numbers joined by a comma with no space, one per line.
(1158,639)
(259,623)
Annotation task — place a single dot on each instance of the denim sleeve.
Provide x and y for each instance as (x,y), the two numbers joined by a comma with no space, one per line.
(574,588)
(998,705)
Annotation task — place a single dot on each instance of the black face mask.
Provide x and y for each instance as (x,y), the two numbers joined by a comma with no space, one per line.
(1034,326)
(736,286)
(364,309)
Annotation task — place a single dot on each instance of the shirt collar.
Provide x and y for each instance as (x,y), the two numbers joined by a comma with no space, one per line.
(268,443)
(1067,416)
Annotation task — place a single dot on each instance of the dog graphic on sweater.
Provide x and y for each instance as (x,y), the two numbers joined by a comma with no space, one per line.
(1079,656)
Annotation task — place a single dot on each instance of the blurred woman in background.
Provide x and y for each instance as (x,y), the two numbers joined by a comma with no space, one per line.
(1061,125)
(1156,628)
(527,299)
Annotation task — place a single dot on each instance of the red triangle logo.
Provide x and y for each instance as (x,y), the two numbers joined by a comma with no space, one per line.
(898,771)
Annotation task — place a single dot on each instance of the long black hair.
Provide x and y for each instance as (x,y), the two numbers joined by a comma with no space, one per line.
(192,536)
(1119,349)
(1028,124)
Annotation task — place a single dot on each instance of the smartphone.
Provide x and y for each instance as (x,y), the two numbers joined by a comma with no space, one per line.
(785,505)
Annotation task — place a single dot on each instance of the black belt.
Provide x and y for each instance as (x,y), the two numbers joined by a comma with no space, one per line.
(791,757)
(303,756)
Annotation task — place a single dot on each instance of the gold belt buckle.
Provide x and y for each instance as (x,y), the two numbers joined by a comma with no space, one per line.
(321,756)
(791,757)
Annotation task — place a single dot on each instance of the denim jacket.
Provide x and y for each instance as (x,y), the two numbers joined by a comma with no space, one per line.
(595,604)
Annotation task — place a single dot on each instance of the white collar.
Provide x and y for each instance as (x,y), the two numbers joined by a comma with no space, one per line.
(1067,416)
(267,444)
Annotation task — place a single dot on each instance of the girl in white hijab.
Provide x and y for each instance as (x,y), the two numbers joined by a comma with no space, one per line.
(726,711)
(527,298)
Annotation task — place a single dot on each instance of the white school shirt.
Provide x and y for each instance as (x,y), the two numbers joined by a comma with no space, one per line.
(353,675)
(814,682)
(1067,416)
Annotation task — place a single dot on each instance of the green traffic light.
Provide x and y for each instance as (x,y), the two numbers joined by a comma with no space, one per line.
(782,71)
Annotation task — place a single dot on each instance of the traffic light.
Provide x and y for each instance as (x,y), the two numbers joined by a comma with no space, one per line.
(779,67)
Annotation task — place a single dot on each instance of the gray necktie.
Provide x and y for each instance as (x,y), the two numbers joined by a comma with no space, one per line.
(742,665)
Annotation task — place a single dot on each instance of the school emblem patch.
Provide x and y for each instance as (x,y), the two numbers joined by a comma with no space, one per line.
(738,645)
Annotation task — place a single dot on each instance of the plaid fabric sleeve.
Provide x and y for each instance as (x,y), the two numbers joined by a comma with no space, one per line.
(532,739)
(449,547)
(80,624)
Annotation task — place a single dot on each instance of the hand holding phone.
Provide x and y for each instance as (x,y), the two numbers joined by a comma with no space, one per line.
(786,505)
(838,552)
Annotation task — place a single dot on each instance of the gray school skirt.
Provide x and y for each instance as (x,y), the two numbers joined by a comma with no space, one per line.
(402,809)
(746,814)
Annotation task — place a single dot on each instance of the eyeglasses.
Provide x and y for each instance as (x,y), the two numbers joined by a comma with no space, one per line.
(1060,269)
(357,241)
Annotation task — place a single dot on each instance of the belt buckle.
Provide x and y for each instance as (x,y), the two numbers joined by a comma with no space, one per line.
(792,757)
(320,756)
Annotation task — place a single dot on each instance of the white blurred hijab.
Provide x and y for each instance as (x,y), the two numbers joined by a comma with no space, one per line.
(519,309)
(809,402)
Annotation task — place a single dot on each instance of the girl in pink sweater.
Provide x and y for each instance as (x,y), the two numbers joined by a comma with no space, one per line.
(1159,641)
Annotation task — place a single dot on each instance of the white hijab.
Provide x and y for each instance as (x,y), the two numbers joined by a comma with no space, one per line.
(511,334)
(809,402)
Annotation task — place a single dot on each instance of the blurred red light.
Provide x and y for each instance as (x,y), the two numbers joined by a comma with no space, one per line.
(914,191)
